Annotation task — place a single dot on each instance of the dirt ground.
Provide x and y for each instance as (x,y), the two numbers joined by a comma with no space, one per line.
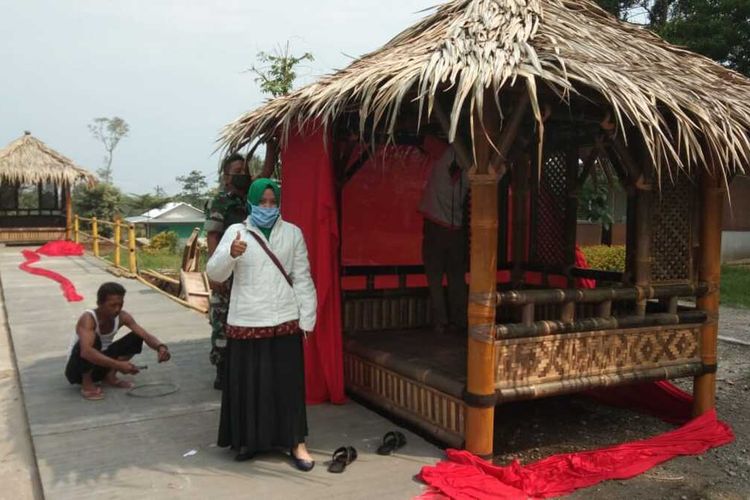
(537,429)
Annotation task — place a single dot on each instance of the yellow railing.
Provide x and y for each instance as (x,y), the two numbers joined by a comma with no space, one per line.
(94,235)
(116,240)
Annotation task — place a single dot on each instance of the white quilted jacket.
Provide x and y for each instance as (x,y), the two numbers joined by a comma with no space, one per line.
(260,294)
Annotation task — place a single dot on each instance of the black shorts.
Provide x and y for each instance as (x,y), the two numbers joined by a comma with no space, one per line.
(129,345)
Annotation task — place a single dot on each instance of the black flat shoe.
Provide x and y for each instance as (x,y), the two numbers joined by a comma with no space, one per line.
(303,465)
(243,455)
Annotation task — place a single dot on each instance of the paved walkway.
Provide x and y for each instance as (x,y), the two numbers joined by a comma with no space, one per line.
(162,447)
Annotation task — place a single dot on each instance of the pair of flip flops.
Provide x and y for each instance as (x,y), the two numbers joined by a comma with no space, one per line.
(341,458)
(392,441)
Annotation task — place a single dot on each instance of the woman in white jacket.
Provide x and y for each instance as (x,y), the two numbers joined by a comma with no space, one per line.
(271,309)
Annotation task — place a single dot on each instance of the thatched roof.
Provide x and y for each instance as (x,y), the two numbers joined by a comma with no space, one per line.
(676,100)
(27,160)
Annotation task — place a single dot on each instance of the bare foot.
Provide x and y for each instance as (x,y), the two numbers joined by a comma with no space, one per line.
(300,452)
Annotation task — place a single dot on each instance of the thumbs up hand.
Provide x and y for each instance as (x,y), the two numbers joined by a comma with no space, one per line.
(238,246)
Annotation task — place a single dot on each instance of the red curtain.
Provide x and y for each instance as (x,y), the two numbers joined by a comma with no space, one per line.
(381,223)
(309,201)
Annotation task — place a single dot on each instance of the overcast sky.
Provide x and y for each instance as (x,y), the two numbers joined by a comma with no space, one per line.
(174,70)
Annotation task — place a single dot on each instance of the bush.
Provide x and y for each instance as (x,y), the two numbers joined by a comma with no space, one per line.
(605,258)
(166,240)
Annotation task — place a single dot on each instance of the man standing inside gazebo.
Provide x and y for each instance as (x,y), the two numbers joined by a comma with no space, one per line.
(444,241)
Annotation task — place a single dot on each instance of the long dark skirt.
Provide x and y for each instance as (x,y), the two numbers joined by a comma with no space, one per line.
(263,402)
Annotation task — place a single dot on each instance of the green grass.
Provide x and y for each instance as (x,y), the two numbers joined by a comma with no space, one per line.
(735,286)
(162,260)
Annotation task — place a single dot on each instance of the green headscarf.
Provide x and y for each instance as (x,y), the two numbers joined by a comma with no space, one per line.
(255,193)
(258,187)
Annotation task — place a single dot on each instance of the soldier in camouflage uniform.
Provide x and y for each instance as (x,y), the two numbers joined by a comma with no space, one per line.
(227,208)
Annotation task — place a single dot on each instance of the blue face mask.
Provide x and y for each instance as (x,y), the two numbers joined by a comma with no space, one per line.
(264,217)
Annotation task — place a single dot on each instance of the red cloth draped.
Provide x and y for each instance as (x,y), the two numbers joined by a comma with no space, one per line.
(465,476)
(381,224)
(53,248)
(661,399)
(307,179)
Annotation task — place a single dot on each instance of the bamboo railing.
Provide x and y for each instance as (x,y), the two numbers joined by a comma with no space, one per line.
(95,237)
(602,299)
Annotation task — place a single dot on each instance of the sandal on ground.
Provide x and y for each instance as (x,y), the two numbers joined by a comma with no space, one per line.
(92,394)
(392,441)
(341,458)
(122,384)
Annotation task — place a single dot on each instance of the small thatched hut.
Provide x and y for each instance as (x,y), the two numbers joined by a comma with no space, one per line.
(533,95)
(35,185)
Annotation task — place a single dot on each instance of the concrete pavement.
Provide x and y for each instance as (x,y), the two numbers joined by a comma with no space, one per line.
(161,447)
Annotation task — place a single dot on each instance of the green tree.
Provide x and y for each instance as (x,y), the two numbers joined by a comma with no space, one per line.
(102,201)
(194,188)
(108,131)
(136,204)
(255,165)
(719,29)
(276,75)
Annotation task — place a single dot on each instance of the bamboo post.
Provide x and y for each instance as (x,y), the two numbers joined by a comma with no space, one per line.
(76,223)
(709,270)
(272,157)
(642,258)
(480,376)
(68,212)
(571,205)
(95,236)
(131,248)
(118,237)
(481,355)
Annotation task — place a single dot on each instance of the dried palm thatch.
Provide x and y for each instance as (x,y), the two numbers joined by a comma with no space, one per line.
(27,160)
(684,106)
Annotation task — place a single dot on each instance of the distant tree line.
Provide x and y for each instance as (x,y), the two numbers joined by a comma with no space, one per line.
(719,29)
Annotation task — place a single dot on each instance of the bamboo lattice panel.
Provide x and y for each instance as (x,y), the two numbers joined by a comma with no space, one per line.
(531,361)
(423,405)
(671,240)
(551,207)
(385,313)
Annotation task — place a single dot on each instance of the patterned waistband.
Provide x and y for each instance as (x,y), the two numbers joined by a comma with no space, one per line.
(261,332)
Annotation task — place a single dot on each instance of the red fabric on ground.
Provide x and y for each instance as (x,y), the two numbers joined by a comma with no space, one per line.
(58,248)
(465,476)
(307,180)
(661,399)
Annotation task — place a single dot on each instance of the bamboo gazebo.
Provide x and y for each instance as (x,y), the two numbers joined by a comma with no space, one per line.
(533,95)
(35,185)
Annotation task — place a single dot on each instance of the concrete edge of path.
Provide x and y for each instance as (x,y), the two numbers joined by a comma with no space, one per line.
(19,472)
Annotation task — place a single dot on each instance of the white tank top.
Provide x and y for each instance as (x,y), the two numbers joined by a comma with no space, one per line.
(106,338)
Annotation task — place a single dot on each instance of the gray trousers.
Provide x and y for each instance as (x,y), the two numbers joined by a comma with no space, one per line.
(444,253)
